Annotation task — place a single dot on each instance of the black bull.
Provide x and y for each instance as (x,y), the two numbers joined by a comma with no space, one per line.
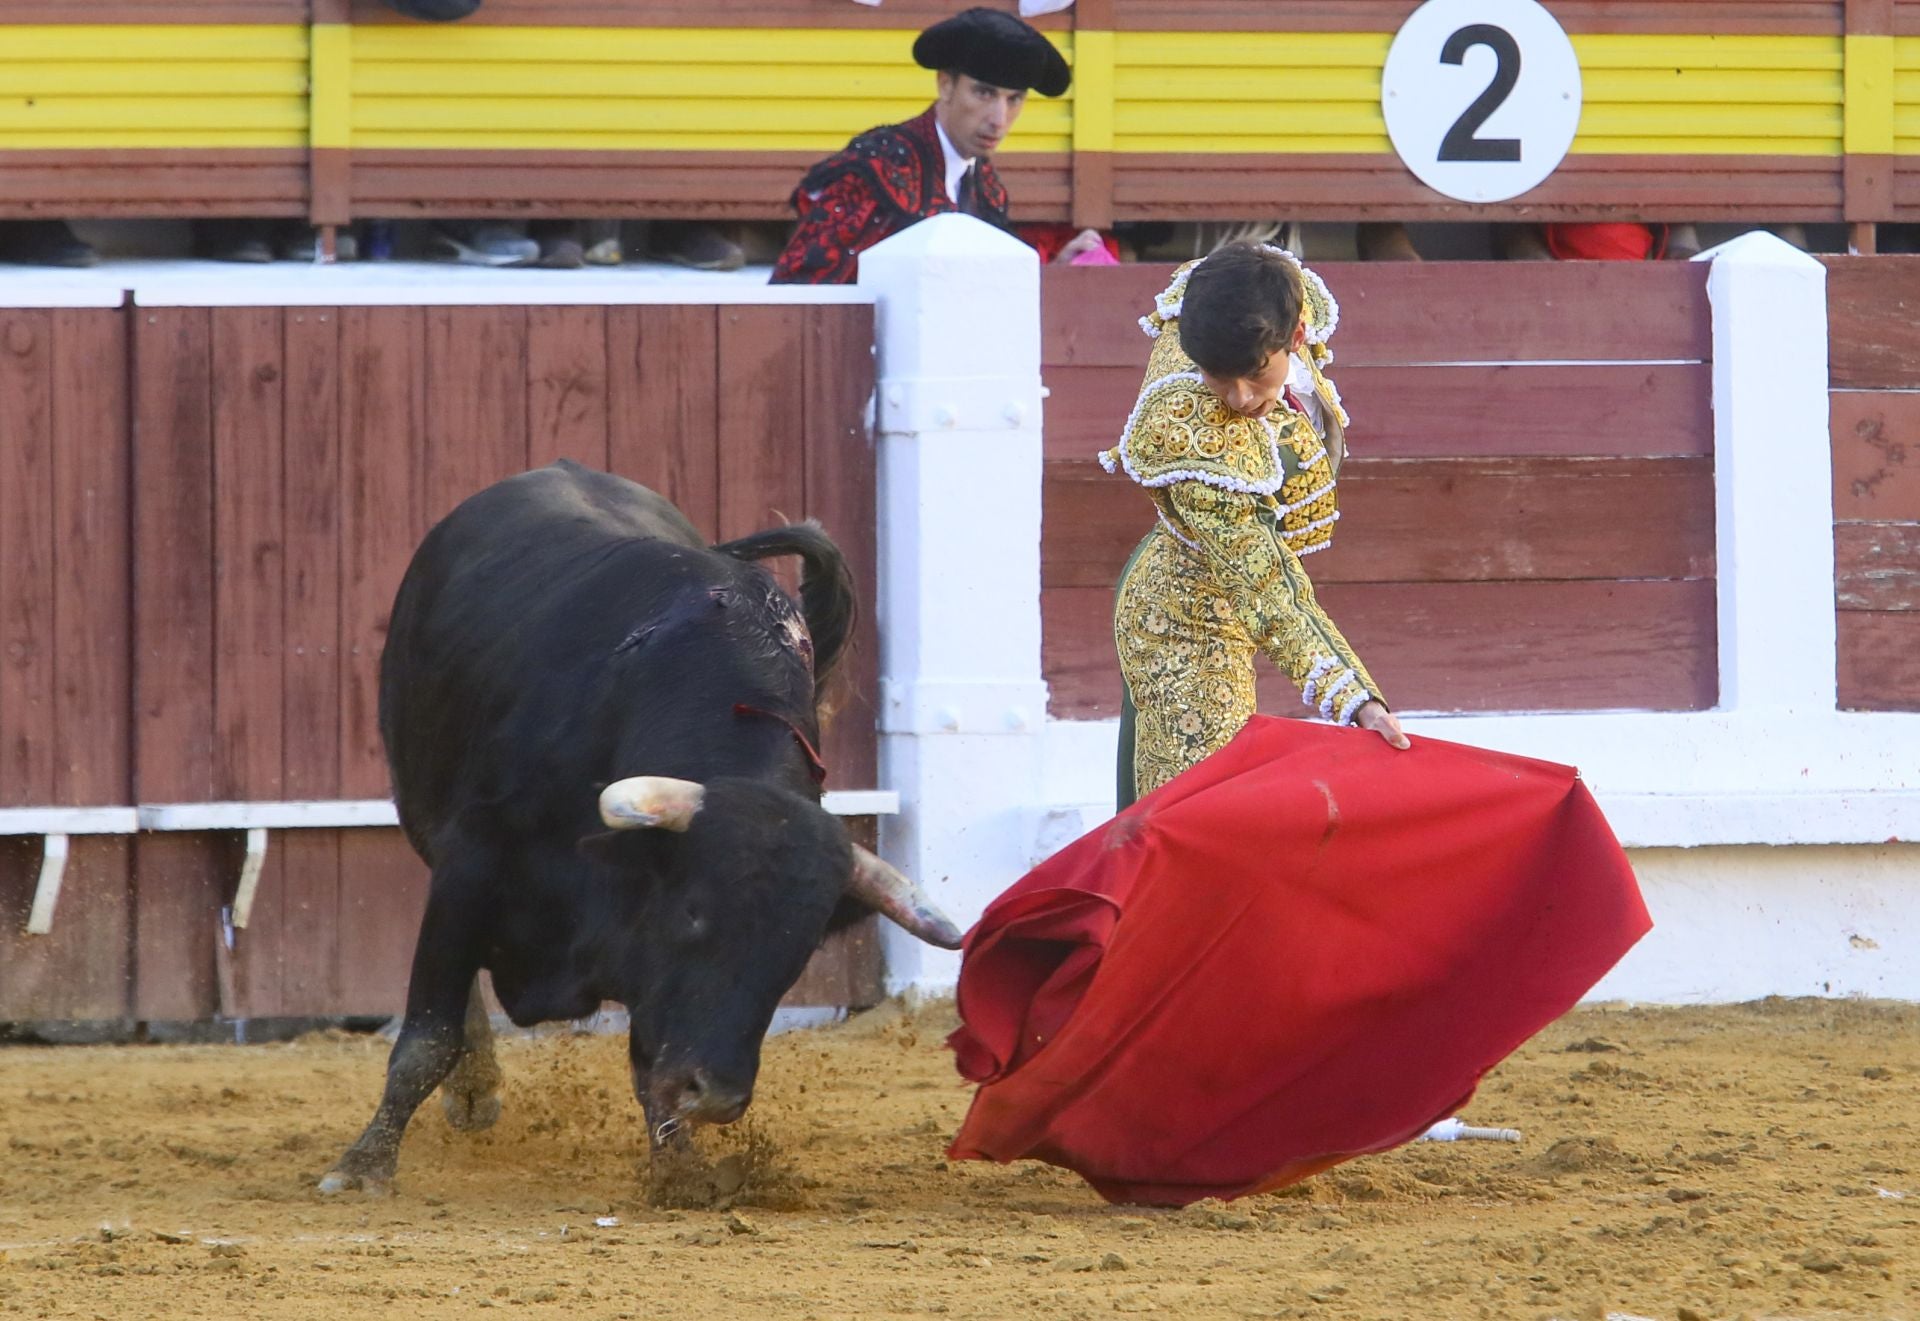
(602,740)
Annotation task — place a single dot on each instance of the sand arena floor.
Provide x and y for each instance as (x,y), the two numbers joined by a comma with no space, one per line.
(1760,1161)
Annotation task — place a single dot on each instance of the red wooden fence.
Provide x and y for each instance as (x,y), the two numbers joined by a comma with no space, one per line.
(204,514)
(1873,308)
(1528,509)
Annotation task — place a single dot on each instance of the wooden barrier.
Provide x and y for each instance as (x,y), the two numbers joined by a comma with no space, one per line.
(1873,307)
(1527,509)
(1755,110)
(204,515)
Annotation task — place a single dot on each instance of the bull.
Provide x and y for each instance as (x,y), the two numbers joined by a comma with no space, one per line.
(601,733)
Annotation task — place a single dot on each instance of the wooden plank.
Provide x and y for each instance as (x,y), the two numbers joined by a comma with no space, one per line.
(1674,187)
(841,492)
(141,12)
(27,559)
(1879,667)
(1876,454)
(79,970)
(93,455)
(147,182)
(906,15)
(1625,409)
(382,515)
(62,520)
(248,569)
(1877,566)
(179,879)
(305,950)
(1717,17)
(567,385)
(1495,312)
(476,392)
(383,893)
(1438,520)
(663,391)
(1467,646)
(83,968)
(248,551)
(1873,322)
(763,374)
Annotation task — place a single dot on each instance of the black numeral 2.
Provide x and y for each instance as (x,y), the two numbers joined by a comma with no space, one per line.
(1460,144)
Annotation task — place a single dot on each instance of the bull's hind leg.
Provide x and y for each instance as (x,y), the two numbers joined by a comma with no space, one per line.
(432,1038)
(471,1094)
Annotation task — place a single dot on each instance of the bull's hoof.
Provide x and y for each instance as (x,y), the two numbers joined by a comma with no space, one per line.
(470,1112)
(355,1171)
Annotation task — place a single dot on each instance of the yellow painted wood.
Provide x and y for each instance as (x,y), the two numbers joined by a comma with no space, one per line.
(1906,95)
(1640,50)
(453,43)
(145,43)
(191,139)
(332,74)
(157,78)
(460,87)
(600,114)
(1869,94)
(1093,79)
(689,82)
(1253,50)
(109,115)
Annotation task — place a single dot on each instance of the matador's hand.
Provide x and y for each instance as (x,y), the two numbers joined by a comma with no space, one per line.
(1383,722)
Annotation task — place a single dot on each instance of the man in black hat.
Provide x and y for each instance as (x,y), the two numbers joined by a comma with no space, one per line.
(985,63)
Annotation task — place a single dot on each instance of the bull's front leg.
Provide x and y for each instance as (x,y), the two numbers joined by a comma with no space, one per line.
(432,1038)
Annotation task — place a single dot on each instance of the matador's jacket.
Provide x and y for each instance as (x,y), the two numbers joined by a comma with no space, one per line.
(886,179)
(1240,501)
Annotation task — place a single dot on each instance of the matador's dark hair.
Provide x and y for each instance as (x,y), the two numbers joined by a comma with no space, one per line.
(1242,306)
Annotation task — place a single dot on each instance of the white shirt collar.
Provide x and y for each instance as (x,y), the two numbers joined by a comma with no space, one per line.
(957,165)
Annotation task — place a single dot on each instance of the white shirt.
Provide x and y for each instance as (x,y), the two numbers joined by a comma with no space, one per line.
(957,165)
(1300,378)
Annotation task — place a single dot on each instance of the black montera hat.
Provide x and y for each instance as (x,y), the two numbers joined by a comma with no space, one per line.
(995,47)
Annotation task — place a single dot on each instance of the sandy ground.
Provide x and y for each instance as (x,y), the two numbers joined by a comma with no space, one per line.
(1760,1161)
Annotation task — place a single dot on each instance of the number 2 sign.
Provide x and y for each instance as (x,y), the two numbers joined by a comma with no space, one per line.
(1482,97)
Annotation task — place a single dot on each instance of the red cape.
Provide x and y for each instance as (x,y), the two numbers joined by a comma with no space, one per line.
(1308,947)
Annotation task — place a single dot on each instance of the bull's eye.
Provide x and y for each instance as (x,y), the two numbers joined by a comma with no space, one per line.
(695,922)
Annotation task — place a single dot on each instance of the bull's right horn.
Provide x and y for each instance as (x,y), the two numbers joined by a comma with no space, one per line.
(881,887)
(658,802)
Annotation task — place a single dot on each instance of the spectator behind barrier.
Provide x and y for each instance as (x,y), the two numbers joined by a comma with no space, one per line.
(985,61)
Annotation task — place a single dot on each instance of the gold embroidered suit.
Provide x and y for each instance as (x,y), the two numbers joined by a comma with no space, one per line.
(1240,500)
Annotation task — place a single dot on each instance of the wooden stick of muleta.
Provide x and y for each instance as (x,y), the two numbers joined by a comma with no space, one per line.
(1457,1130)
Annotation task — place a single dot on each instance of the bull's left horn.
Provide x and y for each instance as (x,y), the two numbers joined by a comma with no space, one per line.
(643,802)
(877,884)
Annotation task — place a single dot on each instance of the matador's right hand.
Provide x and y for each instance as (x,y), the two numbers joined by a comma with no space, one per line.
(1372,715)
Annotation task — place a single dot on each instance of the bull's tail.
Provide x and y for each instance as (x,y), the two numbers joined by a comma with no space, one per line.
(826,586)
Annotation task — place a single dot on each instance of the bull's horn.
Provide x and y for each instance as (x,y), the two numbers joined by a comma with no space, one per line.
(651,801)
(876,884)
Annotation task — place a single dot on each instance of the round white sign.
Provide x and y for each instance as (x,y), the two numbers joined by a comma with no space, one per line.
(1482,97)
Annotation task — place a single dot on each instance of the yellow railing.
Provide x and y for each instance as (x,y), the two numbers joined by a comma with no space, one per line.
(752,89)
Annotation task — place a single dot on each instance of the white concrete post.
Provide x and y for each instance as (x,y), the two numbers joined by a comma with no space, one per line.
(962,700)
(1773,476)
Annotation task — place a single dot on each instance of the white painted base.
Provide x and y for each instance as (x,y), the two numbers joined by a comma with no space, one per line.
(1733,924)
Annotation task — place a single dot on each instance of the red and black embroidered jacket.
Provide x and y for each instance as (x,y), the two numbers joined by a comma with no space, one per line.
(885,180)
